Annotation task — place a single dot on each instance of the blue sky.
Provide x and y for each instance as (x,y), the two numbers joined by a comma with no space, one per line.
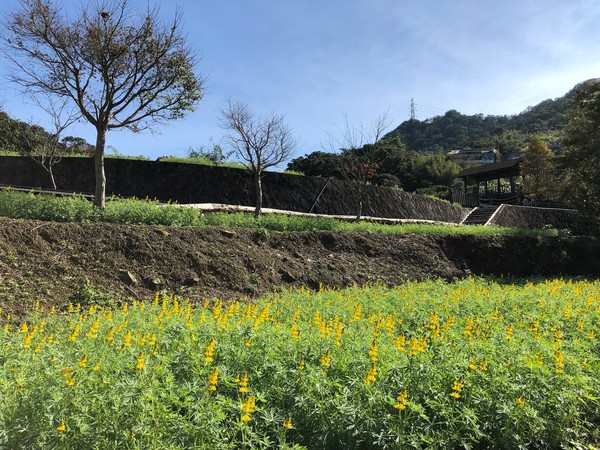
(319,61)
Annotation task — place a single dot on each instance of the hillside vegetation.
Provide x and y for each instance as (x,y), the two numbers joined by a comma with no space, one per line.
(508,134)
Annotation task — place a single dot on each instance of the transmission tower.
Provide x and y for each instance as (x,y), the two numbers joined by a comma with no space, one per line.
(413,115)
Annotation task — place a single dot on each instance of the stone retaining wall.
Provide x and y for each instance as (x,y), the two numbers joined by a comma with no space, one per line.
(533,217)
(190,183)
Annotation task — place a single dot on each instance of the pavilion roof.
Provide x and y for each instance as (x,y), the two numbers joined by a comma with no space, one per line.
(493,171)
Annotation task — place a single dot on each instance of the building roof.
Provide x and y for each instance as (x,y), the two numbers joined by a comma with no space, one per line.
(493,171)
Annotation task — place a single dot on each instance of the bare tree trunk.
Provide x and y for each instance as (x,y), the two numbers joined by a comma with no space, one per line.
(100,192)
(258,193)
(359,212)
(361,194)
(52,177)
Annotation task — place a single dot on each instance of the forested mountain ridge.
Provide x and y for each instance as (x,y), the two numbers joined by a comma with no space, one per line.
(508,134)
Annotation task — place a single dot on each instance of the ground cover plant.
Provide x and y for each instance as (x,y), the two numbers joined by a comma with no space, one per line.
(476,363)
(32,206)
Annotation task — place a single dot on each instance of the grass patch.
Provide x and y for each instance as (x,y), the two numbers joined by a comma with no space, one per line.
(32,206)
(202,161)
(471,364)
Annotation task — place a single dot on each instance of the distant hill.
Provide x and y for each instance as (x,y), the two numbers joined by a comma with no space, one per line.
(508,134)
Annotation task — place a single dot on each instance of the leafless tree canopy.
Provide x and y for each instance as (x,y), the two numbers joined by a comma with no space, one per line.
(351,137)
(260,142)
(121,68)
(359,152)
(46,148)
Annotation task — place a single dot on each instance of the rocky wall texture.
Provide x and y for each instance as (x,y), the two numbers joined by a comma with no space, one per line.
(531,217)
(190,183)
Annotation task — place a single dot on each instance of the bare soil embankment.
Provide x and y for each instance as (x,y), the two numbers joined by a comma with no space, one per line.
(58,263)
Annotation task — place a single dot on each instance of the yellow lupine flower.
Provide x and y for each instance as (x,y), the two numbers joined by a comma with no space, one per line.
(325,360)
(248,407)
(93,331)
(139,362)
(417,345)
(110,335)
(70,381)
(287,424)
(27,340)
(61,427)
(127,339)
(83,361)
(434,325)
(473,364)
(209,353)
(243,382)
(373,351)
(521,401)
(73,336)
(591,335)
(213,378)
(358,313)
(295,331)
(509,333)
(399,342)
(559,361)
(371,376)
(401,400)
(457,389)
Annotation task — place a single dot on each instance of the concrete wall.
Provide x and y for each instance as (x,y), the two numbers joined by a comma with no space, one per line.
(190,183)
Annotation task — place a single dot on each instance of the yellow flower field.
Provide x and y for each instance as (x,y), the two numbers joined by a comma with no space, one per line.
(476,363)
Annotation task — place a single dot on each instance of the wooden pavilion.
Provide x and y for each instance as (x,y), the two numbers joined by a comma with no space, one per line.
(489,189)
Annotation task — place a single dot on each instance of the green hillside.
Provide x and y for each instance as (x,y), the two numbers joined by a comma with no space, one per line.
(508,134)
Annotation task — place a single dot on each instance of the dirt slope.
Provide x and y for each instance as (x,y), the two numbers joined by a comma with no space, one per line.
(59,263)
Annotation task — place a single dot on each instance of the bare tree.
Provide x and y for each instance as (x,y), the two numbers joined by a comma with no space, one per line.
(46,148)
(359,159)
(259,142)
(121,68)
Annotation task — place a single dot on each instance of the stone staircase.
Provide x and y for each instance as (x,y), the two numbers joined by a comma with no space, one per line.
(480,215)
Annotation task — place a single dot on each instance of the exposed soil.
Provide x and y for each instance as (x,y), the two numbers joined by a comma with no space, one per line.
(58,263)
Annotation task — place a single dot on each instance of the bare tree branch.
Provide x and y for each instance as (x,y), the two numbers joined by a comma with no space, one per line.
(259,142)
(47,149)
(357,146)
